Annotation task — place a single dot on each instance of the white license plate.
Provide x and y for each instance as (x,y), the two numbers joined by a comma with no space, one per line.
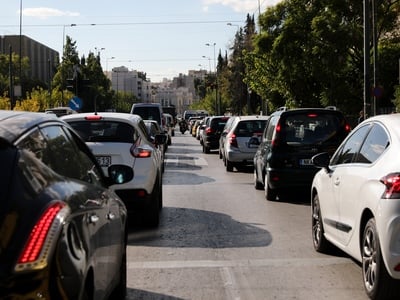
(306,162)
(104,161)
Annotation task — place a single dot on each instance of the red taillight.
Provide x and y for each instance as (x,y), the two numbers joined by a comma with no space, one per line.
(39,234)
(209,130)
(232,140)
(93,118)
(139,152)
(392,183)
(347,127)
(312,115)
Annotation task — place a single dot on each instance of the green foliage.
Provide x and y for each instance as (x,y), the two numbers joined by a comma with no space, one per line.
(311,53)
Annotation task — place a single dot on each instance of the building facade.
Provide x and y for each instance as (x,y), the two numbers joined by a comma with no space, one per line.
(42,59)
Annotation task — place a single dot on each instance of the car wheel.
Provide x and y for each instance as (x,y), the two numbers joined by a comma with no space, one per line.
(229,166)
(120,290)
(206,149)
(270,194)
(318,233)
(257,184)
(377,281)
(153,215)
(220,154)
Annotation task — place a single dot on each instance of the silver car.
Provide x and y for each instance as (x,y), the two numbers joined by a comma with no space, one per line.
(120,138)
(241,140)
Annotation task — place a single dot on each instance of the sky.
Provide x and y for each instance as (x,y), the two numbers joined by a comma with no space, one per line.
(161,38)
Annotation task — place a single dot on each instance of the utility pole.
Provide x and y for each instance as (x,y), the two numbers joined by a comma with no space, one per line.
(367,78)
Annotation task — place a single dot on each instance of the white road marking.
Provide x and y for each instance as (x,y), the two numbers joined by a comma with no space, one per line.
(295,262)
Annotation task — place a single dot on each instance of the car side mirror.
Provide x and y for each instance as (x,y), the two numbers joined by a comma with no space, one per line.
(119,174)
(321,160)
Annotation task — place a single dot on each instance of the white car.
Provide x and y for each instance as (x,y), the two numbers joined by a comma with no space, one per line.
(122,139)
(356,202)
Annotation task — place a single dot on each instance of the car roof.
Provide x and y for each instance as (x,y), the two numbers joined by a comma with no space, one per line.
(284,111)
(105,116)
(14,123)
(391,121)
(252,117)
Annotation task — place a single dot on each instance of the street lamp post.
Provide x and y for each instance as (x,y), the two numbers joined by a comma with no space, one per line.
(69,25)
(217,104)
(107,59)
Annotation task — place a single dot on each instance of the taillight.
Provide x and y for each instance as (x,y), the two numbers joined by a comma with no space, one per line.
(209,130)
(232,140)
(93,118)
(392,183)
(347,128)
(43,234)
(139,152)
(275,141)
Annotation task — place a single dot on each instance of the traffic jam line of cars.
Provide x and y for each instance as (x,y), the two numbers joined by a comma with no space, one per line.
(69,185)
(353,175)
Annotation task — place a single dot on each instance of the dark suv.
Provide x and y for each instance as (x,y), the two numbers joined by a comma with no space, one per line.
(291,137)
(212,132)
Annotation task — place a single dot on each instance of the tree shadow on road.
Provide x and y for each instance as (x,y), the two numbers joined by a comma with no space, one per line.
(183,228)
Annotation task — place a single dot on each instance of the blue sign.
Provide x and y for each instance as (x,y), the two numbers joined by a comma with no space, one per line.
(75,103)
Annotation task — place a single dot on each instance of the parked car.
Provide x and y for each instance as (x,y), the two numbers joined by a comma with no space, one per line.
(212,132)
(291,137)
(240,139)
(153,129)
(57,238)
(356,203)
(121,138)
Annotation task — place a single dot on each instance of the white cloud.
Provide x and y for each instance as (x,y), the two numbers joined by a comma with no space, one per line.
(46,12)
(242,5)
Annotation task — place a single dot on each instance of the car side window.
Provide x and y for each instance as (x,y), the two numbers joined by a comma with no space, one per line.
(348,151)
(269,130)
(375,144)
(55,149)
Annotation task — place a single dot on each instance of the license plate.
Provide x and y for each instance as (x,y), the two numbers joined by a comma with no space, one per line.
(104,161)
(306,162)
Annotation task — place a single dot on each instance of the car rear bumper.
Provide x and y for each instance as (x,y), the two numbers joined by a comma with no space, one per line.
(291,178)
(240,157)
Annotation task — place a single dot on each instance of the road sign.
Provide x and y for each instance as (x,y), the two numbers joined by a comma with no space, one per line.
(75,103)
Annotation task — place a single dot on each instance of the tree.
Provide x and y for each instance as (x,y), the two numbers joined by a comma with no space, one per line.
(311,53)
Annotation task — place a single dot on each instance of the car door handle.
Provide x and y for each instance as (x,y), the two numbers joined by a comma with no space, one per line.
(111,216)
(93,219)
(336,181)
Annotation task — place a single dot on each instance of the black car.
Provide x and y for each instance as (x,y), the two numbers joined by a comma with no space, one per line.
(212,132)
(290,139)
(62,231)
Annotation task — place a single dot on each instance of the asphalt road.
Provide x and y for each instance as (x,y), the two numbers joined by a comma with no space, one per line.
(220,239)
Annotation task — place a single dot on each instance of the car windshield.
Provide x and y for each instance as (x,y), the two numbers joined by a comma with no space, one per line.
(109,131)
(310,128)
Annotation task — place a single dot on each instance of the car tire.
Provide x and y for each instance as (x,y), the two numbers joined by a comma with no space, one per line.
(206,149)
(120,290)
(377,282)
(153,215)
(270,194)
(229,165)
(320,243)
(257,184)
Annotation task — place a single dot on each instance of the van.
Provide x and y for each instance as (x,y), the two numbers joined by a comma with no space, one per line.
(149,111)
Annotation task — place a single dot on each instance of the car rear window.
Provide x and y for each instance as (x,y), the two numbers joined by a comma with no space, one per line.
(108,131)
(148,113)
(311,128)
(218,124)
(250,128)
